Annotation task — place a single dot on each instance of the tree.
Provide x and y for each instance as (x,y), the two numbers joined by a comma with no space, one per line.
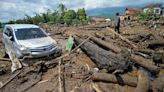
(11,22)
(81,14)
(0,25)
(45,17)
(62,9)
(37,19)
(29,19)
(53,17)
(20,21)
(62,16)
(69,16)
(60,20)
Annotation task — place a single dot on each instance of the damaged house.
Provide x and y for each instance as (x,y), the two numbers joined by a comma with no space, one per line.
(155,8)
(131,12)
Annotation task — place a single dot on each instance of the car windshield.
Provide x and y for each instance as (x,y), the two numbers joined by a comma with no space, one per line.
(29,33)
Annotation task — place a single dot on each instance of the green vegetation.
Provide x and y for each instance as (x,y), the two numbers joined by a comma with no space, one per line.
(148,16)
(69,16)
(0,24)
(60,16)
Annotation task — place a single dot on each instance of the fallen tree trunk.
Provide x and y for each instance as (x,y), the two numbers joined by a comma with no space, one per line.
(146,51)
(145,63)
(120,79)
(102,58)
(140,37)
(105,59)
(136,59)
(154,44)
(105,45)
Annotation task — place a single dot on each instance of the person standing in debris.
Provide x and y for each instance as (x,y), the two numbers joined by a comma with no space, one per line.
(117,25)
(129,20)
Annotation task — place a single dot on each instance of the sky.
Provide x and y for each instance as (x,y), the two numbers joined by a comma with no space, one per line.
(15,9)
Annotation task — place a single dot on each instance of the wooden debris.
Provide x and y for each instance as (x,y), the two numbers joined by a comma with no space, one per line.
(32,84)
(120,79)
(11,79)
(102,58)
(155,43)
(5,59)
(123,38)
(108,46)
(147,64)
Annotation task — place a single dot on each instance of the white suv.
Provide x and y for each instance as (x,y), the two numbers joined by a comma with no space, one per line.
(28,41)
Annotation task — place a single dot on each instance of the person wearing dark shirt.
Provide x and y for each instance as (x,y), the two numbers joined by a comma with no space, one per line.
(117,26)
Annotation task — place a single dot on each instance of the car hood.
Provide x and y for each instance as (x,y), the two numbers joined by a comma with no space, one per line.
(38,42)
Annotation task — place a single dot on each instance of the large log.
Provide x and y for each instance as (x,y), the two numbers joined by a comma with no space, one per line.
(135,58)
(155,44)
(105,45)
(102,58)
(120,79)
(145,63)
(140,37)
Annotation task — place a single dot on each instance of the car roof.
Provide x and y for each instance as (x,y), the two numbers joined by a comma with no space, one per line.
(20,26)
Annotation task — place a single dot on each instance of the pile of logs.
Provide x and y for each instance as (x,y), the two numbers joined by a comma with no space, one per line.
(118,61)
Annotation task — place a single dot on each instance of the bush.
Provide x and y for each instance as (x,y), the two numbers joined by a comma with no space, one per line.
(148,16)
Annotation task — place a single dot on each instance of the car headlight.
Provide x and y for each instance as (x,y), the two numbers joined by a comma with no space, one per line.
(24,49)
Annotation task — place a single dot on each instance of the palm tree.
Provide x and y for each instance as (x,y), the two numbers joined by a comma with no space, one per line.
(61,8)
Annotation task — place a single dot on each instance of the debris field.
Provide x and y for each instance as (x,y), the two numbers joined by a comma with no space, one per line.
(101,60)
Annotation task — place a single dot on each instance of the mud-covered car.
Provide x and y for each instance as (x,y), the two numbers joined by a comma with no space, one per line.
(28,41)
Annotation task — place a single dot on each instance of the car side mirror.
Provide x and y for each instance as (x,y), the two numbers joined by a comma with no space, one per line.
(11,38)
(48,34)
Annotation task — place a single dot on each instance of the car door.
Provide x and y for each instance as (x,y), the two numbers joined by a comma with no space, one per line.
(5,38)
(9,40)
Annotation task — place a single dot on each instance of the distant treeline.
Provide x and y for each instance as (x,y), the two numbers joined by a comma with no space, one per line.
(0,25)
(60,16)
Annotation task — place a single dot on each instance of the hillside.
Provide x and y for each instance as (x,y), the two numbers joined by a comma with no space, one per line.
(109,11)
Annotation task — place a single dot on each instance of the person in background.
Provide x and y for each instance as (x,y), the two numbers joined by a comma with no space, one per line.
(117,26)
(129,20)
